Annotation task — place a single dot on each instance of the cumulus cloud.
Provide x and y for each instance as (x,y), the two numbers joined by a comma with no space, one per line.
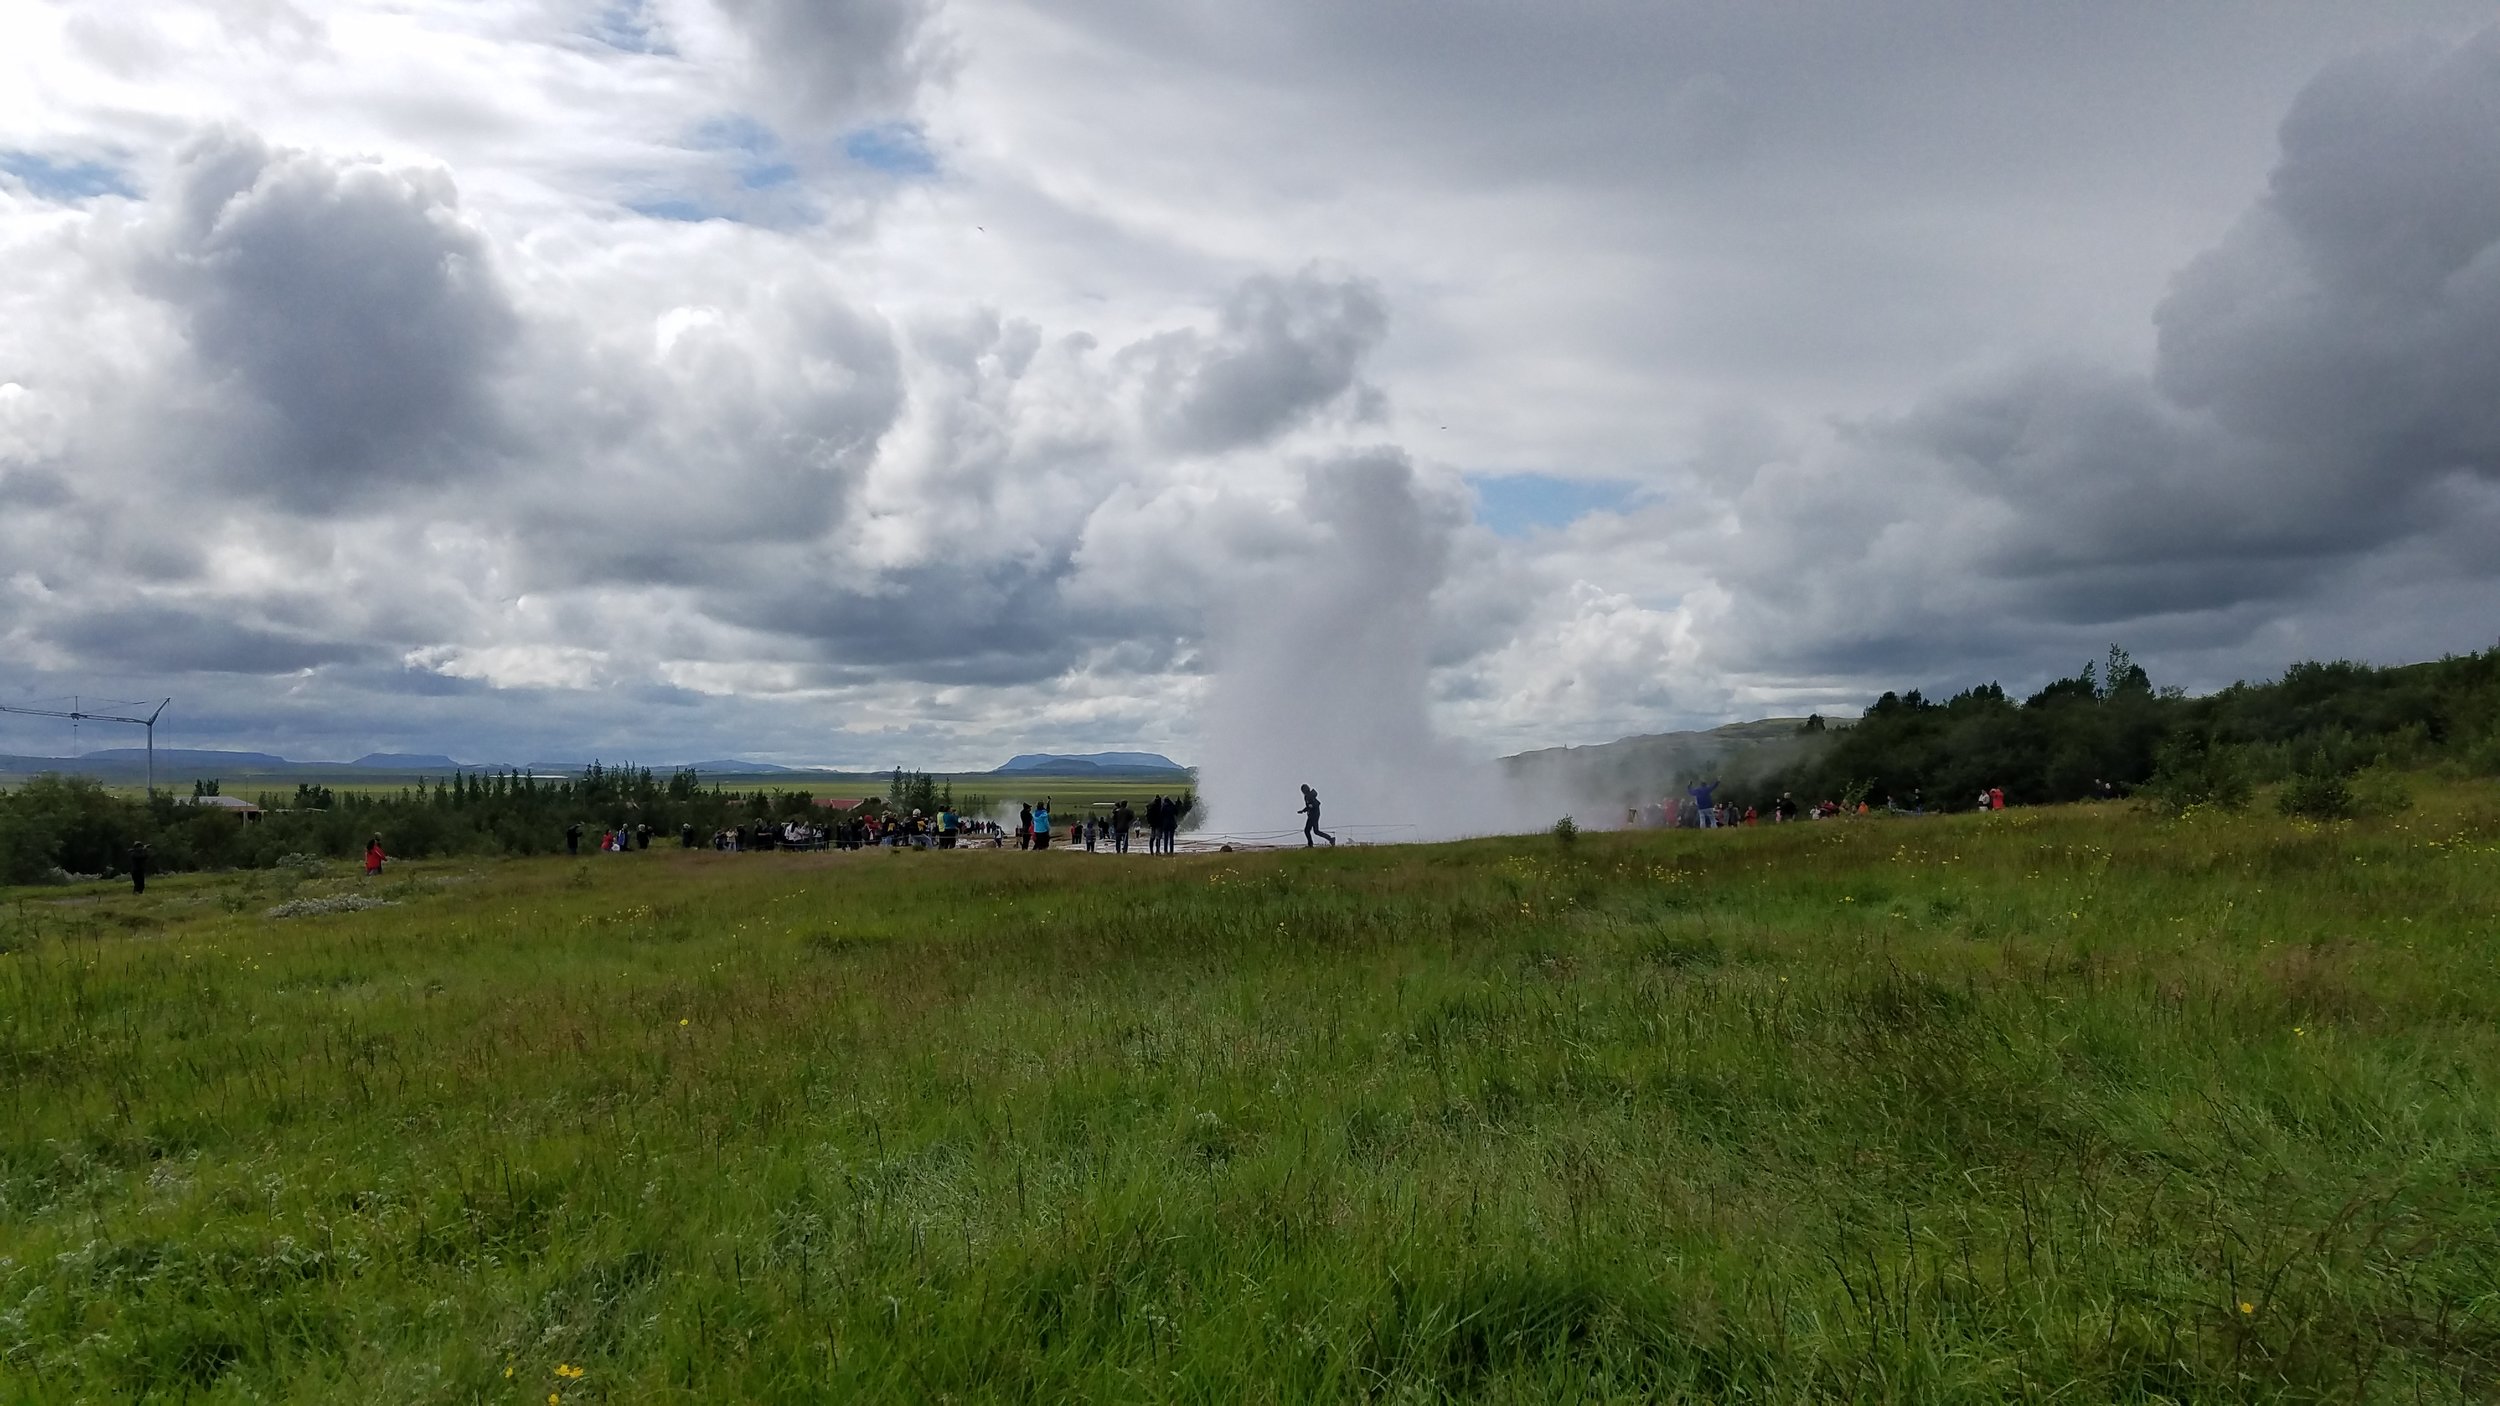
(2319,375)
(1283,350)
(833,63)
(2352,320)
(348,321)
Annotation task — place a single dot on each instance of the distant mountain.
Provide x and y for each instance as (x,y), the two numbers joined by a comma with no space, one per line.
(731,766)
(1090,764)
(1637,770)
(127,764)
(178,756)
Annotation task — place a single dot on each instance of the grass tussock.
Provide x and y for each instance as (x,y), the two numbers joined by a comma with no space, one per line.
(2081,1102)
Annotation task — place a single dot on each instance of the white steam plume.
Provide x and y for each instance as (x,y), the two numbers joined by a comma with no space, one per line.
(1322,673)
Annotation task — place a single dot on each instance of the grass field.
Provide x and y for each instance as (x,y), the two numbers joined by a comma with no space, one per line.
(2062,1103)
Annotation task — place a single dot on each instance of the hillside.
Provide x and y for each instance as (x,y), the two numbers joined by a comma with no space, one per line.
(1635,770)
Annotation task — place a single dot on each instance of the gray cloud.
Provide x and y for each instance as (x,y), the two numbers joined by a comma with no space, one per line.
(2352,321)
(355,319)
(158,637)
(1283,349)
(836,62)
(2319,374)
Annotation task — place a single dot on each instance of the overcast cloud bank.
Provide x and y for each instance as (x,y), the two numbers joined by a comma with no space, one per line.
(889,381)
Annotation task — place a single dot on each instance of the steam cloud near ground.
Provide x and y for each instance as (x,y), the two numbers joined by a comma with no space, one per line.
(1323,675)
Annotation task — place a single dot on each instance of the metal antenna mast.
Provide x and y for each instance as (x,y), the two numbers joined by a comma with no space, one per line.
(77,715)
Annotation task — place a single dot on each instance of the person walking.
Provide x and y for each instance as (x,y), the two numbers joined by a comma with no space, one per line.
(373,857)
(138,866)
(573,839)
(1310,818)
(1121,822)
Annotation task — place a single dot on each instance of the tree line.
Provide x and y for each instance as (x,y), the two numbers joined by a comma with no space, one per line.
(2107,730)
(53,826)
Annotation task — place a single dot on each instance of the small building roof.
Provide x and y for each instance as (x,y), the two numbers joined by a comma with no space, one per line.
(236,803)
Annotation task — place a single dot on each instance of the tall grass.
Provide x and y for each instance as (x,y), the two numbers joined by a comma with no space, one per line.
(2072,1102)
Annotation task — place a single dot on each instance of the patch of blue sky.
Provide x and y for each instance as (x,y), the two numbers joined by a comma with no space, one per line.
(1513,505)
(627,25)
(52,178)
(737,132)
(685,211)
(765,167)
(895,148)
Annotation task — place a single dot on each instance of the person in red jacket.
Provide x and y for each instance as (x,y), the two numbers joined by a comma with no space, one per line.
(373,856)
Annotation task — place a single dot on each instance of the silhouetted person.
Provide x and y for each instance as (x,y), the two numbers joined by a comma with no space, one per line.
(1310,818)
(573,839)
(139,867)
(1024,827)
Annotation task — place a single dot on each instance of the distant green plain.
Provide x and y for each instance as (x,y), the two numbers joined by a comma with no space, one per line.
(2070,1103)
(1070,792)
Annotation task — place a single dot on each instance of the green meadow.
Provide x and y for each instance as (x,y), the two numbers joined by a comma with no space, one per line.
(2072,1103)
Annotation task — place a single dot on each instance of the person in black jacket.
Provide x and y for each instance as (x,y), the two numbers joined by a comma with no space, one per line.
(1310,818)
(139,866)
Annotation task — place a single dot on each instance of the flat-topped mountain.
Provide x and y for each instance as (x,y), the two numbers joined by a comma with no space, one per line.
(1088,763)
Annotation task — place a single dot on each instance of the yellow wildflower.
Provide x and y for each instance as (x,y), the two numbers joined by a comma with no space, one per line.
(2247,1307)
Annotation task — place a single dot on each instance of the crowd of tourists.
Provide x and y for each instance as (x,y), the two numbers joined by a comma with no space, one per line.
(1700,808)
(1109,828)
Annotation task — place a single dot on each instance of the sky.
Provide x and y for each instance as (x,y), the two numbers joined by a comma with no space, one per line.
(864,382)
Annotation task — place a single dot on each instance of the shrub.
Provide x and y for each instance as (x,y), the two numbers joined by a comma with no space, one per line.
(2380,790)
(1566,830)
(2193,770)
(2316,795)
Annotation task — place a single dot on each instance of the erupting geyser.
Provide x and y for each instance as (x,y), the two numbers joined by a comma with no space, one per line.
(1322,672)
